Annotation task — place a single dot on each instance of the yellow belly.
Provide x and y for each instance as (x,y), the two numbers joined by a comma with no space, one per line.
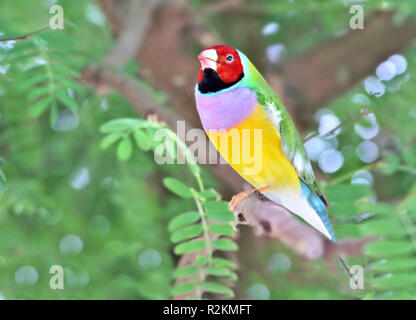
(253,149)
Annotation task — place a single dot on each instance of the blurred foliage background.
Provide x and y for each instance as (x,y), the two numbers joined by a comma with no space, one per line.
(66,201)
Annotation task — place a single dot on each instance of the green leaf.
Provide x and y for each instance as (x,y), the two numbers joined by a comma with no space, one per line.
(190,160)
(225,245)
(209,194)
(66,99)
(394,264)
(388,248)
(221,262)
(222,229)
(2,176)
(67,82)
(67,70)
(178,187)
(21,52)
(233,276)
(110,139)
(218,271)
(396,295)
(39,107)
(59,58)
(37,92)
(124,149)
(30,82)
(217,288)
(143,141)
(368,296)
(183,219)
(186,271)
(151,132)
(122,125)
(170,147)
(183,288)
(409,158)
(383,227)
(216,205)
(32,69)
(379,208)
(347,192)
(201,260)
(53,115)
(226,216)
(394,281)
(343,209)
(392,163)
(186,233)
(189,246)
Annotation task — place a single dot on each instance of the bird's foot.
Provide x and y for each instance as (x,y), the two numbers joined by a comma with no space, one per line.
(235,200)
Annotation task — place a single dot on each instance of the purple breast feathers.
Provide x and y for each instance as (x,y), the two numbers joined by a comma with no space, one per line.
(225,110)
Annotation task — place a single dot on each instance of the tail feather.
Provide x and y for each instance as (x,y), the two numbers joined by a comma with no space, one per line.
(306,205)
(319,206)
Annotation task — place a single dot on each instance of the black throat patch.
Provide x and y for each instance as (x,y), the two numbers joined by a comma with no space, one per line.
(211,82)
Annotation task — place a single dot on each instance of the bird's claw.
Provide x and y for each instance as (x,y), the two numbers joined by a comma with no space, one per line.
(236,199)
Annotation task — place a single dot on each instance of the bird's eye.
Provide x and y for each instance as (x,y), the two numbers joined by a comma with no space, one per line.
(230,58)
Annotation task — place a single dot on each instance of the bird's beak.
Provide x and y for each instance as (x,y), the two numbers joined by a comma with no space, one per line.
(208,59)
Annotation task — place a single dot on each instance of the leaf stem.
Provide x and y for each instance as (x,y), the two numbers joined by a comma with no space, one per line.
(204,226)
(348,175)
(49,73)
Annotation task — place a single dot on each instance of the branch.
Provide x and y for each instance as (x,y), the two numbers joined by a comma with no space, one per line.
(106,79)
(220,6)
(24,37)
(273,220)
(133,32)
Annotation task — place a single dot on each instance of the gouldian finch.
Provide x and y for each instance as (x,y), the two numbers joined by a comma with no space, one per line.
(232,95)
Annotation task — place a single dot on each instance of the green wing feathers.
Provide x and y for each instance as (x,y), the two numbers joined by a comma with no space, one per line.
(292,143)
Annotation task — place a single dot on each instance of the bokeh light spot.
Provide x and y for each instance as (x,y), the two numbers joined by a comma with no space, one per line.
(367,151)
(94,15)
(26,276)
(328,124)
(274,52)
(258,291)
(399,62)
(270,28)
(331,161)
(71,244)
(80,179)
(315,146)
(150,259)
(279,263)
(374,86)
(362,177)
(369,131)
(386,71)
(66,120)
